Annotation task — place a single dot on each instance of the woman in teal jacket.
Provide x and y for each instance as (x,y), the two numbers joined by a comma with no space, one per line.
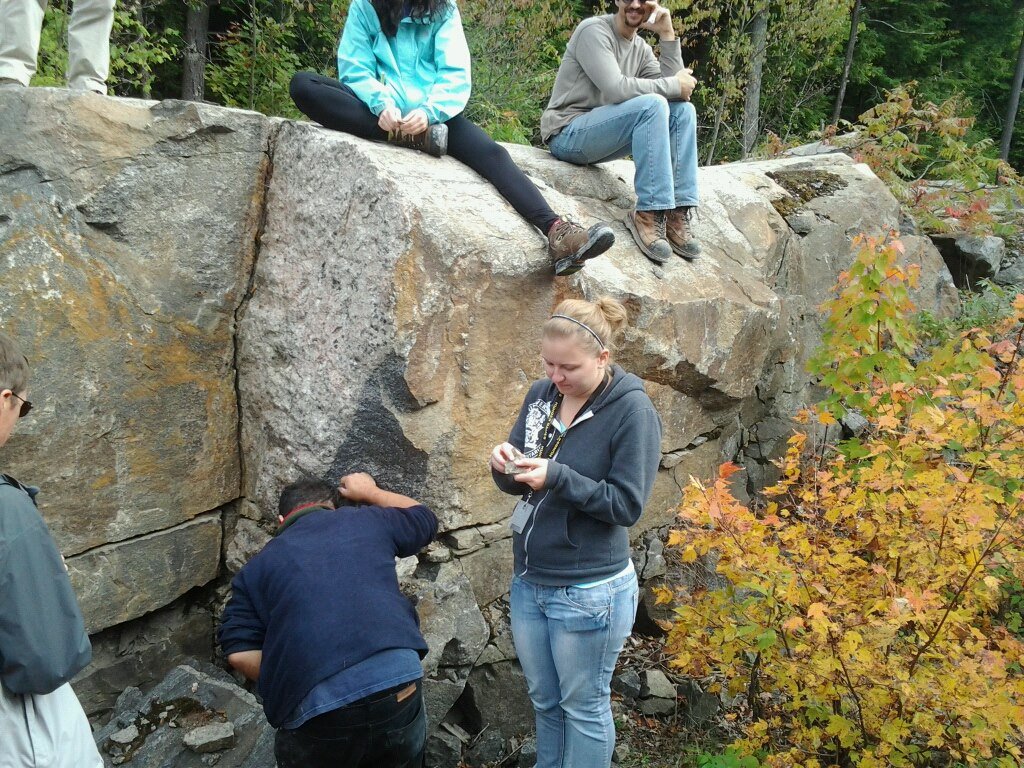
(404,76)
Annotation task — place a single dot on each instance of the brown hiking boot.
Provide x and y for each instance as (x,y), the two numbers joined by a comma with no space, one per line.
(677,227)
(570,245)
(648,229)
(433,141)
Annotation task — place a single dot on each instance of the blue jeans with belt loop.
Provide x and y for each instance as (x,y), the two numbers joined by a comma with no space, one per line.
(660,134)
(568,640)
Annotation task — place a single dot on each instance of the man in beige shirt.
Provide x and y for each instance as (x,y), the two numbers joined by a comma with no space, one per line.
(612,98)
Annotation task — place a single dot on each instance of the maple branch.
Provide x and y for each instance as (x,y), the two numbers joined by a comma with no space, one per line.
(953,602)
(851,689)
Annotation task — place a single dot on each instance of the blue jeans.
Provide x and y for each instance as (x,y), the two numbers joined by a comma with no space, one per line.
(660,134)
(568,640)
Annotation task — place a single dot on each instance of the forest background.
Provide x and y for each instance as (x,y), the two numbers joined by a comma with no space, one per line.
(771,72)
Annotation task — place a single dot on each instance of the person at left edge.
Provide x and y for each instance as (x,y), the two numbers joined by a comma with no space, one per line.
(43,643)
(318,621)
(404,76)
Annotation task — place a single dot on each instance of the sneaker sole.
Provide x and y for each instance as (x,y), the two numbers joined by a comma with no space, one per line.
(599,242)
(640,243)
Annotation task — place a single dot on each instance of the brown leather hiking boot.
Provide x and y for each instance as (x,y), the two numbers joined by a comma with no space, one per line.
(648,229)
(570,245)
(433,141)
(677,227)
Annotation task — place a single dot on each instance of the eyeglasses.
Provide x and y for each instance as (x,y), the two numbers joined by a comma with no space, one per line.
(26,406)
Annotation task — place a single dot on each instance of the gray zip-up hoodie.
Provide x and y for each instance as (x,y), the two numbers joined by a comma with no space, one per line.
(597,484)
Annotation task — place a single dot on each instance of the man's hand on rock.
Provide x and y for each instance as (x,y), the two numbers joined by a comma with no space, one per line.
(390,119)
(414,123)
(662,24)
(358,487)
(687,82)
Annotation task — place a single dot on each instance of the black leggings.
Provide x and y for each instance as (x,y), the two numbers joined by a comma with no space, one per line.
(334,105)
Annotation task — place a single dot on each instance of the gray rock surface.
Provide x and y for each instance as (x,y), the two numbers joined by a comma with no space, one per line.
(971,258)
(127,240)
(189,698)
(657,685)
(496,700)
(141,652)
(118,582)
(210,738)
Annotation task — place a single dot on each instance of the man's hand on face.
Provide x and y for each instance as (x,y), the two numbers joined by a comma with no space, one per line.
(687,82)
(358,487)
(662,23)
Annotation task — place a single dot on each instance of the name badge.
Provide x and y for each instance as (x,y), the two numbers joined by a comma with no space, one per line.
(520,516)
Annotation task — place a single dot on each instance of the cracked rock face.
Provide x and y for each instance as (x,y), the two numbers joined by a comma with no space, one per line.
(126,242)
(202,289)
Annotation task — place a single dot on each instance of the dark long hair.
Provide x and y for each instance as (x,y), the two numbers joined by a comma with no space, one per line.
(390,12)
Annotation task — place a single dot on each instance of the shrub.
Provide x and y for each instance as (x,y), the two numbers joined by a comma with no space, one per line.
(865,618)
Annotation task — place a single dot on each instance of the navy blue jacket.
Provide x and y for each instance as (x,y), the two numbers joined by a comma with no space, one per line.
(324,595)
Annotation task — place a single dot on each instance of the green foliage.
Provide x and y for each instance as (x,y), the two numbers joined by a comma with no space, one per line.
(923,152)
(137,49)
(951,47)
(728,759)
(516,46)
(803,39)
(53,52)
(255,64)
(980,308)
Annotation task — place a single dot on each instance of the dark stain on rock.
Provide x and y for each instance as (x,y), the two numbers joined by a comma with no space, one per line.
(375,442)
(803,186)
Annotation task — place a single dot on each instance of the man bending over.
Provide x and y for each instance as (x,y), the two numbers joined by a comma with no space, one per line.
(318,620)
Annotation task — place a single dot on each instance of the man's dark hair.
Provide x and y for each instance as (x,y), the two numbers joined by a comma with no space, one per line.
(308,490)
(390,12)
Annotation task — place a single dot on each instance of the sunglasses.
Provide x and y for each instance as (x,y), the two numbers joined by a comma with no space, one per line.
(26,406)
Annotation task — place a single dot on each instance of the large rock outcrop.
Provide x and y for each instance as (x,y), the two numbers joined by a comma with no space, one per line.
(216,302)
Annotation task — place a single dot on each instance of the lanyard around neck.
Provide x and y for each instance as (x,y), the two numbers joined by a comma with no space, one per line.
(556,407)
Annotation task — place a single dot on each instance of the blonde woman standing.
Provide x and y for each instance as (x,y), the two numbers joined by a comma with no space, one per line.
(592,445)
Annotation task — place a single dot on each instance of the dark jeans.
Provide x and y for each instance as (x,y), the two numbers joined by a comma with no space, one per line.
(334,105)
(375,732)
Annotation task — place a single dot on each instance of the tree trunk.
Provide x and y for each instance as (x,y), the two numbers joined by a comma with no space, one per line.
(851,46)
(752,104)
(193,70)
(716,126)
(1011,108)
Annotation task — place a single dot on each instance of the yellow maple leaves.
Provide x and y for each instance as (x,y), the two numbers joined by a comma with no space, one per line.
(864,593)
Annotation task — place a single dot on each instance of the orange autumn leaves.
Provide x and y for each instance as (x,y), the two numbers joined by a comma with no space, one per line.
(861,617)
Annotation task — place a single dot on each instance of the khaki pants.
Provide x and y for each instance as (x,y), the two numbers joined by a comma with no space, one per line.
(88,41)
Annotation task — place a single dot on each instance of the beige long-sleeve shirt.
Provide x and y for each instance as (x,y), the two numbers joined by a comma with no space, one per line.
(601,67)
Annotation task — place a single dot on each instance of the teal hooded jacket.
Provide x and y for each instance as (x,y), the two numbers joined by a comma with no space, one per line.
(424,66)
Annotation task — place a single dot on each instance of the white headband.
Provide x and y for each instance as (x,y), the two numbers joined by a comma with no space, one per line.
(584,326)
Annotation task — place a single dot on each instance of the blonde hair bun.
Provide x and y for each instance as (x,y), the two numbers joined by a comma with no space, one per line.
(594,324)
